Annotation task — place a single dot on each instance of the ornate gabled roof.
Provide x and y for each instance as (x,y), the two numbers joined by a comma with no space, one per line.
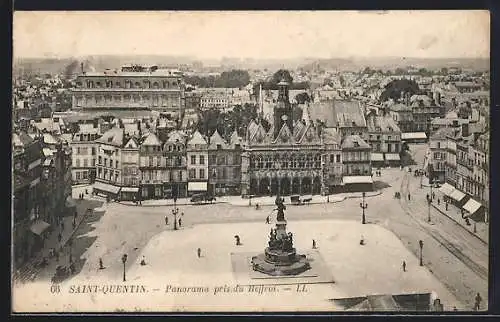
(259,135)
(284,135)
(174,136)
(298,130)
(152,140)
(113,136)
(235,139)
(131,143)
(197,138)
(310,135)
(216,140)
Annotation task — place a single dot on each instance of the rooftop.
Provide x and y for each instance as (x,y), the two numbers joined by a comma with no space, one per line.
(354,141)
(381,123)
(113,137)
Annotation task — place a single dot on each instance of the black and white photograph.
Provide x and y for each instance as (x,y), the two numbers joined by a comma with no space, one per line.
(250,161)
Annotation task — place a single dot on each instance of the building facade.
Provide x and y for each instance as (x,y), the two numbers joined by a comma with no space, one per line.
(109,167)
(384,136)
(197,163)
(224,165)
(130,88)
(27,170)
(131,175)
(175,178)
(84,156)
(438,145)
(152,167)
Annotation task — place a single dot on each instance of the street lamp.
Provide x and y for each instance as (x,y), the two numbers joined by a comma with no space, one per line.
(363,206)
(175,211)
(124,260)
(421,244)
(429,201)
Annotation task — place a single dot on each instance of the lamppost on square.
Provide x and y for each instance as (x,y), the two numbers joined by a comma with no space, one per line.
(175,211)
(124,260)
(421,244)
(363,206)
(429,201)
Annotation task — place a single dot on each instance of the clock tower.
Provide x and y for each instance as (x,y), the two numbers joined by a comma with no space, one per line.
(283,109)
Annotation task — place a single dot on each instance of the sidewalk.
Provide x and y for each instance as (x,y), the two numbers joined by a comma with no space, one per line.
(262,201)
(28,271)
(482,228)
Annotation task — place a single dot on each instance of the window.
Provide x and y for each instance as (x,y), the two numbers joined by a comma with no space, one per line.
(202,159)
(193,159)
(116,164)
(93,151)
(100,160)
(93,162)
(150,161)
(338,158)
(85,163)
(202,173)
(180,175)
(192,173)
(331,158)
(78,175)
(77,163)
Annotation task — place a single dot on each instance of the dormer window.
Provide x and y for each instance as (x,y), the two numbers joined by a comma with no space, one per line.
(219,146)
(356,144)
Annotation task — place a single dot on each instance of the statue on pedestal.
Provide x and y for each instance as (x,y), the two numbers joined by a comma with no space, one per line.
(280,208)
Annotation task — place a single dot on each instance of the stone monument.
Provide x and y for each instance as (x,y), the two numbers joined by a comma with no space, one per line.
(280,257)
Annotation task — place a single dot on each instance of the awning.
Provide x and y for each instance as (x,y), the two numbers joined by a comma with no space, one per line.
(357,179)
(447,189)
(39,227)
(130,189)
(413,136)
(377,157)
(197,186)
(106,187)
(471,206)
(392,157)
(457,195)
(70,202)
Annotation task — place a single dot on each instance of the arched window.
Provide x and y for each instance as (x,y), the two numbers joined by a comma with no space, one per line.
(137,85)
(156,85)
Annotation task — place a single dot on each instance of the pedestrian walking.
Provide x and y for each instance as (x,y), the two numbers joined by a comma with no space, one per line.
(166,220)
(101,266)
(267,220)
(143,261)
(180,222)
(86,192)
(362,240)
(433,196)
(409,198)
(404,266)
(59,237)
(199,252)
(314,244)
(62,224)
(71,258)
(477,302)
(427,197)
(73,224)
(439,201)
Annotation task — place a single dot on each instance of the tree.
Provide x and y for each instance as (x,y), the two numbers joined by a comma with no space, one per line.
(280,75)
(393,89)
(302,98)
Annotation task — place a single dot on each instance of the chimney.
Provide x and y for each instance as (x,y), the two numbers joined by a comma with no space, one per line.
(465,130)
(81,67)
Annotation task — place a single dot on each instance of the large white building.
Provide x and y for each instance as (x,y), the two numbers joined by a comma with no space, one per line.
(109,163)
(132,87)
(84,155)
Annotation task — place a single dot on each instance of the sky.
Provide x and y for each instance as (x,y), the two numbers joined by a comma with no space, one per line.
(258,35)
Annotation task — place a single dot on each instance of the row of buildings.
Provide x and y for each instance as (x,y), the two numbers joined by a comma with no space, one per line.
(41,189)
(459,158)
(290,157)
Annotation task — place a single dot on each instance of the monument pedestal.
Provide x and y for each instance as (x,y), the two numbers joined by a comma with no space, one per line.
(280,258)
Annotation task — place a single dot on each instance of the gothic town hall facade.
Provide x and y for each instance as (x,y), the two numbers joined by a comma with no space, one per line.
(292,157)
